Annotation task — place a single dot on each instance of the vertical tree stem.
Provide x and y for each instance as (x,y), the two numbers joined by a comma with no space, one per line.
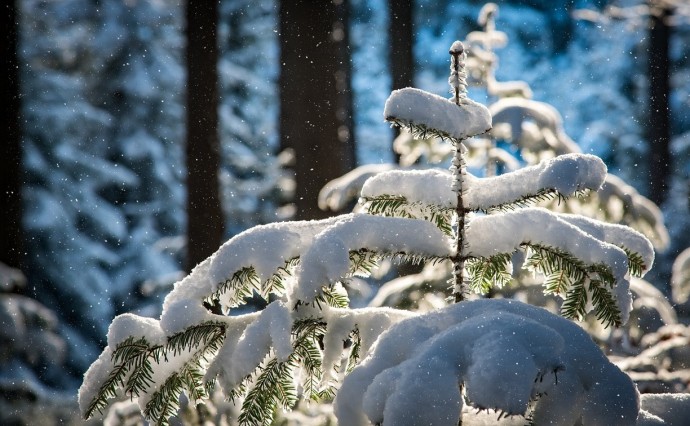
(459,89)
(458,170)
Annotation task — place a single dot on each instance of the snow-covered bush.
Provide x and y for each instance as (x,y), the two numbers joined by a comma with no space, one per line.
(509,356)
(306,340)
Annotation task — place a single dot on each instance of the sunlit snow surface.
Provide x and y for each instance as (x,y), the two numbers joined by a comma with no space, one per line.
(506,353)
(410,105)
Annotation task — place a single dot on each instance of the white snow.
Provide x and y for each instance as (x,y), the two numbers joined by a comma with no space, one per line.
(327,259)
(430,187)
(126,325)
(504,352)
(271,329)
(517,112)
(264,248)
(223,365)
(619,235)
(505,232)
(410,105)
(94,377)
(671,409)
(680,277)
(566,174)
(337,193)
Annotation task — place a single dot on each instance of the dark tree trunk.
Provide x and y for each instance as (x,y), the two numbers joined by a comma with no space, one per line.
(315,96)
(204,213)
(11,153)
(659,123)
(401,53)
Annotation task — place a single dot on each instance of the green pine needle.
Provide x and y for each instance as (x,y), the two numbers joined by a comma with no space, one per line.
(276,283)
(421,131)
(399,206)
(237,288)
(575,303)
(132,360)
(604,304)
(485,273)
(202,340)
(636,265)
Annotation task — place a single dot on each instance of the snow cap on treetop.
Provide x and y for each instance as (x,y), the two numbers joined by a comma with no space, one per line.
(423,110)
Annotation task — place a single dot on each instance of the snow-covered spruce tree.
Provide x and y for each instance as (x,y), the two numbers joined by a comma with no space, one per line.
(306,339)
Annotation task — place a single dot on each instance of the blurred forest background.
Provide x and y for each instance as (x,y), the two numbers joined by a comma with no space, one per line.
(141,134)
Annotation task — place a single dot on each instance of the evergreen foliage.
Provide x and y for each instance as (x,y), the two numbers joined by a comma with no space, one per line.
(307,339)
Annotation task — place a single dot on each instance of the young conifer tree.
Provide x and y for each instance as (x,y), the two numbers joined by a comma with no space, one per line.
(306,340)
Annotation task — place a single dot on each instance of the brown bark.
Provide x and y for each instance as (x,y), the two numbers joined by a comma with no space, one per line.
(315,96)
(204,213)
(658,130)
(401,54)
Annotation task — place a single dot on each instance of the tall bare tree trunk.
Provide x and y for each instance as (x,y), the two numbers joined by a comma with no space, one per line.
(11,247)
(204,213)
(315,96)
(401,53)
(658,130)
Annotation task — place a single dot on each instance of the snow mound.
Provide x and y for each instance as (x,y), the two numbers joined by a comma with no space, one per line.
(506,354)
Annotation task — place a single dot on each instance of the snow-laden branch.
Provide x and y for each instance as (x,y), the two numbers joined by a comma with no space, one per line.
(506,354)
(337,193)
(507,232)
(618,235)
(327,259)
(565,175)
(680,277)
(623,203)
(264,249)
(424,111)
(516,112)
(426,187)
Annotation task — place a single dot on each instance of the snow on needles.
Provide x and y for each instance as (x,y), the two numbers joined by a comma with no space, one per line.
(421,108)
(506,232)
(506,353)
(327,259)
(566,175)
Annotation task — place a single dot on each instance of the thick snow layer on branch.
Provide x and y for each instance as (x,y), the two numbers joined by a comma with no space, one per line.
(327,259)
(504,352)
(224,365)
(271,329)
(97,374)
(421,108)
(566,174)
(126,325)
(622,202)
(431,187)
(337,193)
(264,248)
(369,322)
(518,112)
(619,235)
(505,232)
(123,326)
